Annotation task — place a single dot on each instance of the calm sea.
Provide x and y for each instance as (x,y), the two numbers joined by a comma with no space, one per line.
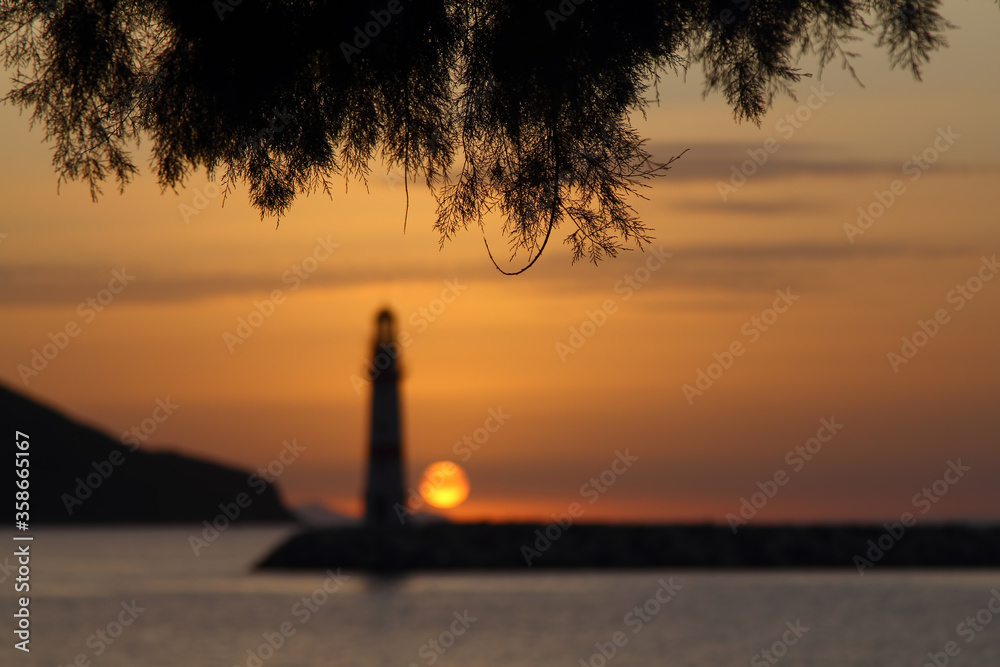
(141,598)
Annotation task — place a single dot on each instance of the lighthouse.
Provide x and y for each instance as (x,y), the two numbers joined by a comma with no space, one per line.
(384,492)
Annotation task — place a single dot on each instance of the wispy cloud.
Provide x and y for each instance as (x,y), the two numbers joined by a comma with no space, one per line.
(816,251)
(743,208)
(757,268)
(704,266)
(714,161)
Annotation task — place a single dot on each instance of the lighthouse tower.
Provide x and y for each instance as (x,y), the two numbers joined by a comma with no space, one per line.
(385,457)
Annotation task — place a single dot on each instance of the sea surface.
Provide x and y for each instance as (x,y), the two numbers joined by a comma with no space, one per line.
(141,598)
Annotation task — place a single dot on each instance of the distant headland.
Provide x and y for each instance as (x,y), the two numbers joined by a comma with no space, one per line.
(80,475)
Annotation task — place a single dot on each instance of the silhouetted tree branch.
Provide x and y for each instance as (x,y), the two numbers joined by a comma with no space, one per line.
(516,107)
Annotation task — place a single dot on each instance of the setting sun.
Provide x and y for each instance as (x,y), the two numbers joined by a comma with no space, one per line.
(444,484)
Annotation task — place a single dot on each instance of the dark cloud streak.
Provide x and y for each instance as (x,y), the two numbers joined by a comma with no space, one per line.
(714,161)
(725,266)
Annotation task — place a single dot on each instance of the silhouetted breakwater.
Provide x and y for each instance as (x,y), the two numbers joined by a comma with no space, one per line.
(446,546)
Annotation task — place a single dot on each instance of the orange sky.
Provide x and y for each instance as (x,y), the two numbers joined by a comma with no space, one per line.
(497,345)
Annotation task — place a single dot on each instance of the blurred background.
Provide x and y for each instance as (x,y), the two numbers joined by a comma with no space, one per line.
(480,341)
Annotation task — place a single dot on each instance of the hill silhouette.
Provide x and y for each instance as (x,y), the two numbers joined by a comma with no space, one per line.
(81,475)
